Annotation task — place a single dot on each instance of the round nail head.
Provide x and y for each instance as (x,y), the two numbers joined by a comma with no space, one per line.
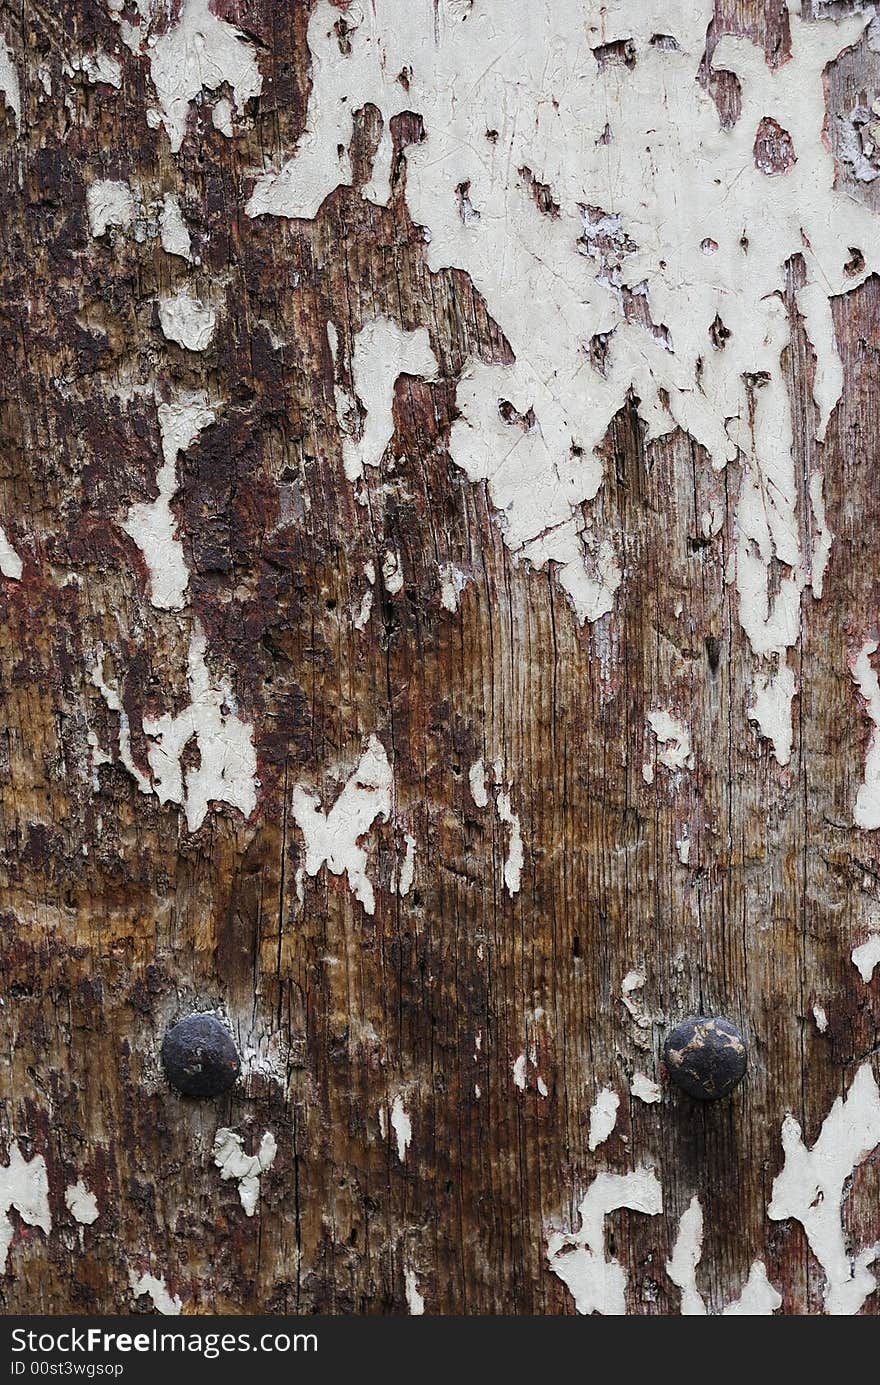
(706,1057)
(199,1057)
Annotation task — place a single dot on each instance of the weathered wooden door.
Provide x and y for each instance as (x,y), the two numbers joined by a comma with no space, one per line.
(440,618)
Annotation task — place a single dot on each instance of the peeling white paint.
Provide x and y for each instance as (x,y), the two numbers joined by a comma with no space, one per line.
(682,1268)
(407,870)
(683,845)
(603,1116)
(231,1160)
(513,863)
(227,767)
(187,321)
(81,1203)
(102,67)
(771,710)
(335,837)
(579,1258)
(631,984)
(644,1088)
(24,1187)
(366,605)
(414,1301)
(9,82)
(152,525)
(479,784)
(615,147)
(758,1299)
(452,584)
(401,1124)
(821,1018)
(867,808)
(673,740)
(392,572)
(866,957)
(199,53)
(811,1187)
(109,202)
(155,1286)
(382,352)
(173,231)
(10,562)
(520,1071)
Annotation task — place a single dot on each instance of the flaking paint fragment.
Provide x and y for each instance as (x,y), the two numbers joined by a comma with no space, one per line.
(401,1124)
(201,52)
(810,1189)
(866,813)
(152,525)
(603,1116)
(686,1253)
(579,1258)
(414,1300)
(187,321)
(81,1203)
(382,352)
(227,768)
(644,1088)
(866,957)
(9,82)
(231,1160)
(155,1286)
(109,202)
(771,710)
(173,231)
(619,233)
(10,562)
(673,740)
(24,1187)
(335,837)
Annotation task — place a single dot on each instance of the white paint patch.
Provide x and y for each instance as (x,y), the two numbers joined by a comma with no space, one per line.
(153,526)
(10,562)
(521,1072)
(173,232)
(821,1018)
(187,321)
(866,957)
(631,984)
(9,82)
(811,1186)
(382,352)
(686,1253)
(673,740)
(478,784)
(227,768)
(392,572)
(614,147)
(771,710)
(366,605)
(407,871)
(81,1203)
(603,1116)
(24,1187)
(199,53)
(452,584)
(514,862)
(402,1126)
(683,845)
(231,1160)
(758,1299)
(579,1259)
(644,1089)
(867,809)
(101,67)
(414,1301)
(335,837)
(156,1287)
(109,203)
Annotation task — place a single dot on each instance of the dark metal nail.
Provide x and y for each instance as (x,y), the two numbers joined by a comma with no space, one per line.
(706,1056)
(199,1057)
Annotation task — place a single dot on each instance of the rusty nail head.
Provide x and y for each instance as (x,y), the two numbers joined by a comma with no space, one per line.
(705,1056)
(199,1057)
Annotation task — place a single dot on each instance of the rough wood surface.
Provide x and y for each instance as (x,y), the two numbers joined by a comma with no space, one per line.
(117,919)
